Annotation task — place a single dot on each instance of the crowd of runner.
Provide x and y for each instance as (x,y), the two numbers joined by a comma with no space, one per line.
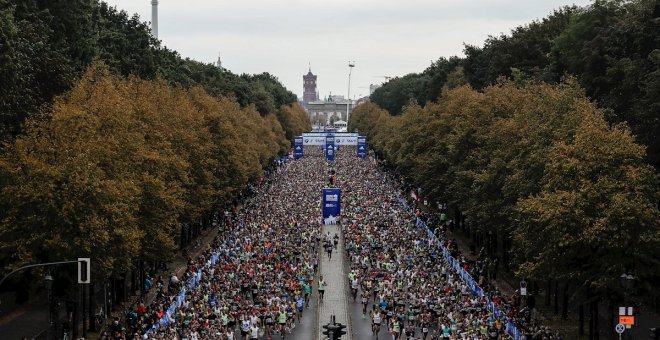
(263,280)
(268,264)
(406,288)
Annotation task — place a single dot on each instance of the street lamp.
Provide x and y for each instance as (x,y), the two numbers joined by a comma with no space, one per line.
(351,64)
(626,281)
(49,287)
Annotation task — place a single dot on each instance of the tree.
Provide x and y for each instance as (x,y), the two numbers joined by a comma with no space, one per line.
(122,169)
(596,216)
(48,44)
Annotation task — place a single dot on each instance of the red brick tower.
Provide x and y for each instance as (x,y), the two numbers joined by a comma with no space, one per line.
(309,87)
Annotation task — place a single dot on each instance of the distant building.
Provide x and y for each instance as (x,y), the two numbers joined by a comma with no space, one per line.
(323,113)
(327,112)
(309,88)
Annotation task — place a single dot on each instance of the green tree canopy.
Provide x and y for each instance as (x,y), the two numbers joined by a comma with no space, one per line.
(120,164)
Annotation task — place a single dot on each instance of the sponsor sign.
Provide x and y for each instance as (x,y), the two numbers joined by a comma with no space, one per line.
(362,147)
(298,148)
(318,140)
(331,205)
(330,148)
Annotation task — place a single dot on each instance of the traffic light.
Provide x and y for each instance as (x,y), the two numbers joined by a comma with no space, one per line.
(340,331)
(655,333)
(84,270)
(330,331)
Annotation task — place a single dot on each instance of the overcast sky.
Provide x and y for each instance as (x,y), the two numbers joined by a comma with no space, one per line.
(383,37)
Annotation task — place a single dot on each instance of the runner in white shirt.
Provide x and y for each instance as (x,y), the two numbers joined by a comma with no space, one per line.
(254,332)
(376,320)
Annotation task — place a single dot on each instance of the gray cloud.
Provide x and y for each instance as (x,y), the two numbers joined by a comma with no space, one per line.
(386,37)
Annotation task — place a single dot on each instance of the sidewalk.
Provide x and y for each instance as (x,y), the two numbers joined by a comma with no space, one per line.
(335,300)
(32,318)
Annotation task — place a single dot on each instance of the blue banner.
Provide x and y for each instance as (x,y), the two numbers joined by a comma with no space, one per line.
(298,148)
(362,147)
(331,205)
(511,328)
(330,148)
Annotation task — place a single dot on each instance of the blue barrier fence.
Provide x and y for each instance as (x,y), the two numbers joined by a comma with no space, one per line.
(191,284)
(511,328)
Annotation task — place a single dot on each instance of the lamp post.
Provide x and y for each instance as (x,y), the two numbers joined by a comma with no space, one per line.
(626,281)
(351,64)
(49,287)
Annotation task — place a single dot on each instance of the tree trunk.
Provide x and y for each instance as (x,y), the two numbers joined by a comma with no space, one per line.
(581,320)
(92,307)
(142,279)
(596,320)
(556,297)
(183,242)
(564,305)
(612,318)
(536,287)
(84,315)
(547,295)
(506,245)
(591,320)
(74,322)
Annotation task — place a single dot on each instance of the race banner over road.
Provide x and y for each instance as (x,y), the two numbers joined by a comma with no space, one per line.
(346,140)
(298,148)
(325,133)
(318,140)
(330,148)
(362,147)
(331,205)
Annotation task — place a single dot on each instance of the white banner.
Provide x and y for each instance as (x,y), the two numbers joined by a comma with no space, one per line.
(314,140)
(336,134)
(338,140)
(345,140)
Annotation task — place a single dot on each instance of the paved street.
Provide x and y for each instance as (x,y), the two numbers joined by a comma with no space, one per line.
(335,301)
(306,328)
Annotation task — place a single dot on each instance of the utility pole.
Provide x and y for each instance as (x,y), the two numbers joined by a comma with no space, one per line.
(83,278)
(351,64)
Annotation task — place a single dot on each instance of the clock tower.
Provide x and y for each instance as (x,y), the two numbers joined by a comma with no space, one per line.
(309,87)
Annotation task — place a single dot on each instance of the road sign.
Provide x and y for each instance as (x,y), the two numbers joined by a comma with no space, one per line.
(626,320)
(619,328)
(523,288)
(84,270)
(626,312)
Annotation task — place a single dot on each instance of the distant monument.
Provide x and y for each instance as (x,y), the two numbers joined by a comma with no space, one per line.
(323,112)
(330,220)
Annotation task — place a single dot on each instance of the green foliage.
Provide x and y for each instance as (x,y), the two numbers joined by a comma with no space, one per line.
(121,163)
(46,45)
(526,49)
(536,161)
(33,67)
(423,87)
(609,47)
(596,216)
